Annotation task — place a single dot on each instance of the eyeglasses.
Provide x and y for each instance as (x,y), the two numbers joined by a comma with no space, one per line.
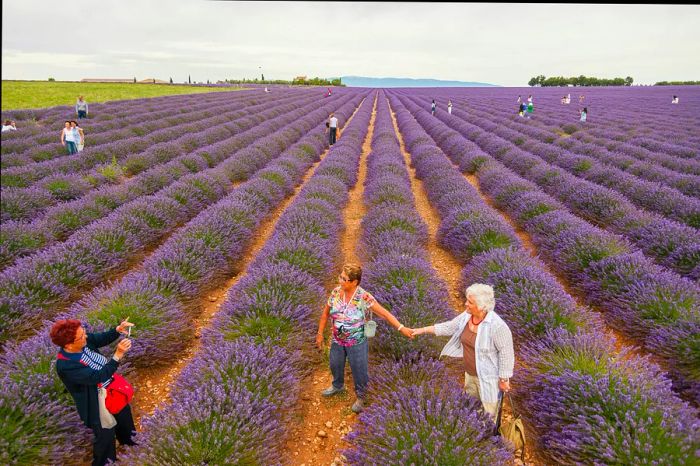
(343,279)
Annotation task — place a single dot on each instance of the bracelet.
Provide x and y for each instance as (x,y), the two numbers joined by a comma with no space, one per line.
(400,327)
(503,380)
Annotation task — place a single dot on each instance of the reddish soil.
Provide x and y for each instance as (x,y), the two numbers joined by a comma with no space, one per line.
(448,269)
(316,437)
(153,384)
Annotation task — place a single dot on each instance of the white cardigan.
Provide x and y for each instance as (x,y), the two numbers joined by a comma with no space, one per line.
(495,356)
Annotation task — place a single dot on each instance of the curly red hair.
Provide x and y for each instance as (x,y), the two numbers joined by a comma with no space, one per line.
(63,331)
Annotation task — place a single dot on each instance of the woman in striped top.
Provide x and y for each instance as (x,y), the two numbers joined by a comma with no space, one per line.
(483,339)
(81,367)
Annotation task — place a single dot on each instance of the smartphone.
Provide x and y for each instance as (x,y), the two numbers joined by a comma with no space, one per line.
(128,335)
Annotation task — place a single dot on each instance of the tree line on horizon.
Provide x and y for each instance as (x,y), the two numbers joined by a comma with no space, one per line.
(298,81)
(582,80)
(678,83)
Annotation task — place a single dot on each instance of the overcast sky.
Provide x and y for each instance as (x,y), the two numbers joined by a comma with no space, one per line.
(504,44)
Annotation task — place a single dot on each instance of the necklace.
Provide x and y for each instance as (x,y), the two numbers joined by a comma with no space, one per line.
(474,323)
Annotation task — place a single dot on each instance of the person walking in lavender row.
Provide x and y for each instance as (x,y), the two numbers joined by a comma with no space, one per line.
(78,135)
(85,373)
(68,139)
(347,307)
(484,341)
(433,106)
(81,108)
(584,114)
(449,107)
(333,128)
(675,99)
(520,99)
(530,106)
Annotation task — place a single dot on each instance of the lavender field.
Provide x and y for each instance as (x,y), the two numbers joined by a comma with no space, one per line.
(218,224)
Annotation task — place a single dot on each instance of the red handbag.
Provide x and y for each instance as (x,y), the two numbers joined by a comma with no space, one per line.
(119,394)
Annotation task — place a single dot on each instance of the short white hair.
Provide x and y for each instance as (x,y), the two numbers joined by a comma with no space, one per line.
(483,296)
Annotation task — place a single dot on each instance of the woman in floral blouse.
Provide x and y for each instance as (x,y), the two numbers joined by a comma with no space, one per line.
(347,307)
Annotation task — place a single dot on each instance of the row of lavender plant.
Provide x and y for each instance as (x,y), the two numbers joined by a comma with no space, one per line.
(18,239)
(255,346)
(39,286)
(626,156)
(418,414)
(157,299)
(647,302)
(671,244)
(26,202)
(608,114)
(111,115)
(121,141)
(588,157)
(36,148)
(36,123)
(665,201)
(585,402)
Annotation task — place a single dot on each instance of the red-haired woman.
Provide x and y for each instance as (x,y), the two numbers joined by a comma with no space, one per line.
(81,367)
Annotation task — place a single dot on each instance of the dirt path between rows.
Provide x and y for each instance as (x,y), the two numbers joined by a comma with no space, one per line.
(447,266)
(153,384)
(321,423)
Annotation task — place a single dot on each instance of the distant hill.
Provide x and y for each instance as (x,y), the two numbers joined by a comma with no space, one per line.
(362,81)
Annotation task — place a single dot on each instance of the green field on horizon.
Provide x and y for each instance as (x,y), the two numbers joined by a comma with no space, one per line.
(41,94)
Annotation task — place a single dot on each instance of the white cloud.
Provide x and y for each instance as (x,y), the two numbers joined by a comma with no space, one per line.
(498,43)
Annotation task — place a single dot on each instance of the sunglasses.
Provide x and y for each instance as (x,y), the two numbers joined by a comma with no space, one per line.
(343,279)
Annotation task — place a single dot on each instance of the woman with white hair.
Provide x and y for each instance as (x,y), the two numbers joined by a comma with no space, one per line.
(483,339)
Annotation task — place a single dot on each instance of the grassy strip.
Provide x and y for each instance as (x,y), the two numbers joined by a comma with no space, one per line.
(40,94)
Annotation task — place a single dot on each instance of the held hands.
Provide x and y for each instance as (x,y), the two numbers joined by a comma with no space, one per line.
(407,332)
(416,331)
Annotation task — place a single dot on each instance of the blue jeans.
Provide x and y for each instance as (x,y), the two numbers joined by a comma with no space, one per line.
(357,355)
(72,147)
(82,114)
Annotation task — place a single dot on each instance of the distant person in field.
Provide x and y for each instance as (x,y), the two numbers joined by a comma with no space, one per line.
(568,99)
(521,109)
(9,126)
(675,99)
(267,90)
(520,99)
(329,92)
(581,98)
(78,135)
(530,106)
(68,139)
(483,340)
(347,307)
(81,108)
(584,114)
(433,106)
(332,128)
(449,107)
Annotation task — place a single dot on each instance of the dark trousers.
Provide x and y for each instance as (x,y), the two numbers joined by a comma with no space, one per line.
(332,135)
(103,446)
(82,114)
(71,147)
(357,356)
